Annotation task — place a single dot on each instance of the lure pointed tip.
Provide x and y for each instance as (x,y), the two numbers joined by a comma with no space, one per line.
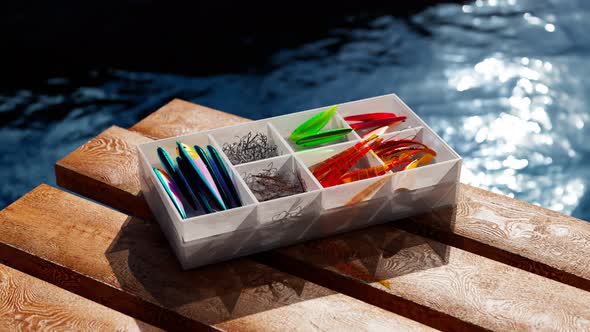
(377,132)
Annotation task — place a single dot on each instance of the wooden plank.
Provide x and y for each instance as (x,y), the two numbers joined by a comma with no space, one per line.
(126,264)
(164,122)
(106,169)
(514,232)
(383,265)
(29,304)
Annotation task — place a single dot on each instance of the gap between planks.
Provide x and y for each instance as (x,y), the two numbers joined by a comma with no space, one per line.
(29,304)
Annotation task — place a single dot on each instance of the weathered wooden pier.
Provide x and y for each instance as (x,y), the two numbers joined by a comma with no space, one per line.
(491,263)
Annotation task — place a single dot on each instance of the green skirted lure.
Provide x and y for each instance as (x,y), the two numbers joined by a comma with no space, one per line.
(309,134)
(322,137)
(313,125)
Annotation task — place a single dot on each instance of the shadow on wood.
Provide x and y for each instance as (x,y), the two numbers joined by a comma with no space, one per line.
(224,291)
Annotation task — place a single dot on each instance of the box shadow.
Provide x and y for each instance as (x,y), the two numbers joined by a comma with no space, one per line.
(145,266)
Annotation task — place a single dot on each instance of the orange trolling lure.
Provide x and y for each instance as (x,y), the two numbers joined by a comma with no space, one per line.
(324,166)
(365,173)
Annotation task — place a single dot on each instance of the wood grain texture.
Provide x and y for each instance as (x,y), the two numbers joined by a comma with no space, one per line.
(106,169)
(126,264)
(383,265)
(517,233)
(29,304)
(164,122)
(532,231)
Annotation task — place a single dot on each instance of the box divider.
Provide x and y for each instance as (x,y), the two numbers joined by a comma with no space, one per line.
(340,118)
(281,139)
(236,176)
(306,170)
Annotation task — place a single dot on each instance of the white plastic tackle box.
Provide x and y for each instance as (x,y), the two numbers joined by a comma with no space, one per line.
(318,212)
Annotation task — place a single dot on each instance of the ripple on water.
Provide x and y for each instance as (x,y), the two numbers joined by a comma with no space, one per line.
(502,81)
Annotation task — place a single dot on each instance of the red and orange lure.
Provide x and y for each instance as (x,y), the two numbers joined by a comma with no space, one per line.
(379,131)
(325,165)
(377,123)
(332,178)
(366,173)
(397,154)
(425,159)
(370,116)
(392,144)
(408,161)
(372,120)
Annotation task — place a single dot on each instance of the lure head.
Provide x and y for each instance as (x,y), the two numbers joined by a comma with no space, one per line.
(190,151)
(378,132)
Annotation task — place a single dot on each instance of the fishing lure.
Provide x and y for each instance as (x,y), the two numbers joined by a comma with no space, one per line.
(379,131)
(334,170)
(370,116)
(172,170)
(391,143)
(217,180)
(377,123)
(411,159)
(397,155)
(225,175)
(392,153)
(171,190)
(322,137)
(333,176)
(400,162)
(391,148)
(187,172)
(197,165)
(201,163)
(367,192)
(313,125)
(366,173)
(425,159)
(323,166)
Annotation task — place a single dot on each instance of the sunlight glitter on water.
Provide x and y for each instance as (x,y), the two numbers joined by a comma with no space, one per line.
(525,126)
(503,81)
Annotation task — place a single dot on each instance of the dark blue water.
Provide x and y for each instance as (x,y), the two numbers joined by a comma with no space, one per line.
(504,82)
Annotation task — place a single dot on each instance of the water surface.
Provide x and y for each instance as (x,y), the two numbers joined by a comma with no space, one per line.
(504,82)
